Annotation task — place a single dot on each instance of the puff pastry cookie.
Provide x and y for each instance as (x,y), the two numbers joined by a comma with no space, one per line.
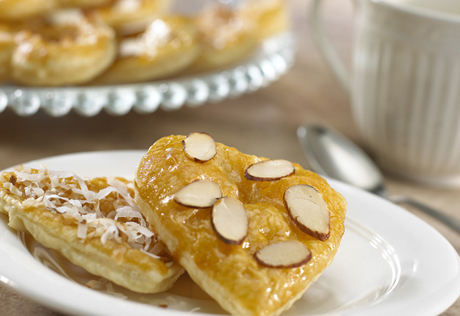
(64,48)
(127,16)
(225,38)
(7,47)
(270,17)
(95,223)
(166,47)
(282,225)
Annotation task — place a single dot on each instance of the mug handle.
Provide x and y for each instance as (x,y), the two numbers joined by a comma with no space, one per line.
(326,48)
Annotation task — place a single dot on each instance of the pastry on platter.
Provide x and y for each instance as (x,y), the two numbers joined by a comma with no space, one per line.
(102,42)
(270,17)
(83,3)
(64,48)
(166,47)
(14,10)
(253,233)
(94,223)
(17,10)
(128,16)
(224,36)
(7,47)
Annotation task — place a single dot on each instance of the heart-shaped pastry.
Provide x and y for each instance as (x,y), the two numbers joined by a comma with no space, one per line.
(253,233)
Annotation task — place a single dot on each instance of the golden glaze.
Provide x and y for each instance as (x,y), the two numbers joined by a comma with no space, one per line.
(229,273)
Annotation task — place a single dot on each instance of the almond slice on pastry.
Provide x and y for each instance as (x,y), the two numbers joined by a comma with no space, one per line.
(94,223)
(243,279)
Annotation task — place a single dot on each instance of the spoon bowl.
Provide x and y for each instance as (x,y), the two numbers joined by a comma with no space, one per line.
(332,154)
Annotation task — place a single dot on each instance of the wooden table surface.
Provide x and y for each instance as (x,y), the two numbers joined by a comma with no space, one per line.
(263,123)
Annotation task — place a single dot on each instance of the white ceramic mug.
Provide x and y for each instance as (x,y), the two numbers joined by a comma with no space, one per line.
(405,83)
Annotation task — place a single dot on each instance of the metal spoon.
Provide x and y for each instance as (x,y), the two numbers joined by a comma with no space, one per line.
(333,155)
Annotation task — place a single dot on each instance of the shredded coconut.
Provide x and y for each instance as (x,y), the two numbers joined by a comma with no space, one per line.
(110,213)
(110,233)
(82,229)
(12,188)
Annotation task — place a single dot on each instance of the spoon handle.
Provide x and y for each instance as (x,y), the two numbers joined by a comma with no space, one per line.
(446,219)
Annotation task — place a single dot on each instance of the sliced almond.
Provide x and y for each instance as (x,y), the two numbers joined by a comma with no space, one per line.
(283,254)
(308,210)
(269,170)
(230,220)
(200,146)
(199,194)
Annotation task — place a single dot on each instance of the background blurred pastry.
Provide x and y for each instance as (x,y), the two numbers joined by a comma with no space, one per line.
(225,37)
(7,46)
(131,16)
(168,46)
(270,17)
(81,42)
(65,48)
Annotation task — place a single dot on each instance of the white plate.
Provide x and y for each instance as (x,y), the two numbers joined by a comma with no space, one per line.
(390,263)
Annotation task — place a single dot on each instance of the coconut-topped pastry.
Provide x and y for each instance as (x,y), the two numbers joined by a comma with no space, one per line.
(167,46)
(254,233)
(225,38)
(94,223)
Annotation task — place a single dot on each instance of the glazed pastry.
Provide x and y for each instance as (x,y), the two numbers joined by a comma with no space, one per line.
(94,223)
(253,233)
(270,17)
(7,47)
(128,16)
(225,38)
(85,42)
(66,48)
(83,3)
(15,10)
(168,46)
(20,10)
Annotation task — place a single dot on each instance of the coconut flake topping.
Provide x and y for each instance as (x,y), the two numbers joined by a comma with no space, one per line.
(108,211)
